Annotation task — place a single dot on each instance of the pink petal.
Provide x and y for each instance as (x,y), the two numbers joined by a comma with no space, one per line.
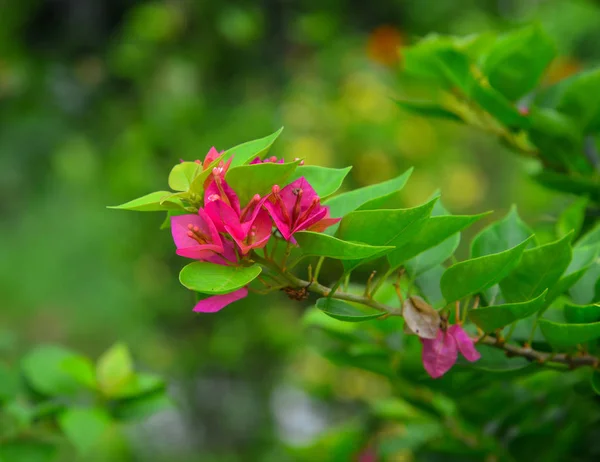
(188,247)
(314,217)
(256,160)
(218,302)
(210,157)
(439,354)
(223,216)
(221,190)
(464,342)
(278,218)
(200,252)
(289,196)
(263,228)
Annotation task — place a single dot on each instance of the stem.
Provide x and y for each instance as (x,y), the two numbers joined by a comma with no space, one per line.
(381,281)
(318,269)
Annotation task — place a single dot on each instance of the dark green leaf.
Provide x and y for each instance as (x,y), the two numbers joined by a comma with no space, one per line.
(580,98)
(592,237)
(27,451)
(9,383)
(151,203)
(582,314)
(428,109)
(494,360)
(210,278)
(564,335)
(345,203)
(563,285)
(571,219)
(343,311)
(325,181)
(596,381)
(245,152)
(490,318)
(84,428)
(143,406)
(517,60)
(322,245)
(472,276)
(569,184)
(248,180)
(539,269)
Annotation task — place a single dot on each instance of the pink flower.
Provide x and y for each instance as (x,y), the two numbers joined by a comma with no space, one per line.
(196,236)
(297,207)
(218,302)
(440,354)
(272,160)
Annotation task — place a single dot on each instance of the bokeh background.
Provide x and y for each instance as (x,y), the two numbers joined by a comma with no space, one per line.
(99,98)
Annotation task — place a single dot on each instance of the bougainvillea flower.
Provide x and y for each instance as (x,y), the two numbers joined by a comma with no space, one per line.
(297,207)
(196,236)
(222,204)
(268,160)
(441,353)
(218,302)
(255,233)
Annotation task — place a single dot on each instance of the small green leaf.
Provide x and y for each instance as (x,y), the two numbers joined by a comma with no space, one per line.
(498,106)
(428,109)
(343,311)
(245,152)
(565,335)
(84,428)
(571,219)
(383,227)
(143,406)
(490,318)
(539,269)
(182,175)
(472,276)
(114,370)
(81,369)
(517,60)
(434,231)
(140,384)
(344,203)
(43,369)
(582,314)
(580,98)
(592,237)
(563,285)
(325,181)
(248,180)
(197,184)
(322,245)
(210,278)
(152,202)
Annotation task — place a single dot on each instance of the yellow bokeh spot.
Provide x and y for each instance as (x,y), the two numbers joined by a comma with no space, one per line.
(313,150)
(373,167)
(416,138)
(463,186)
(421,186)
(367,98)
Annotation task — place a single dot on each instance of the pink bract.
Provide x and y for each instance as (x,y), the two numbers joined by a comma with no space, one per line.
(439,354)
(218,302)
(464,343)
(196,236)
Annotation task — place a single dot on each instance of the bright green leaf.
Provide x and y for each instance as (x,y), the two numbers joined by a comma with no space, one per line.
(322,245)
(245,152)
(81,369)
(114,369)
(490,318)
(345,203)
(565,335)
(501,235)
(140,384)
(472,276)
(210,278)
(151,203)
(325,181)
(580,98)
(498,106)
(43,369)
(571,219)
(84,428)
(582,314)
(539,269)
(343,311)
(182,175)
(248,180)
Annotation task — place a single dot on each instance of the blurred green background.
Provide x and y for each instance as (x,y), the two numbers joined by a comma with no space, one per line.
(98,99)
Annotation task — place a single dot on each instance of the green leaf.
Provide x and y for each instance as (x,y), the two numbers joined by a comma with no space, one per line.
(84,427)
(563,285)
(43,368)
(114,370)
(343,311)
(143,406)
(245,152)
(429,285)
(571,219)
(580,98)
(322,245)
(151,203)
(27,451)
(584,290)
(494,360)
(210,278)
(565,335)
(428,109)
(472,276)
(592,237)
(539,269)
(182,175)
(490,318)
(9,383)
(325,181)
(197,184)
(248,180)
(498,106)
(383,227)
(432,257)
(81,369)
(517,60)
(501,235)
(345,203)
(434,231)
(595,381)
(569,184)
(140,384)
(582,314)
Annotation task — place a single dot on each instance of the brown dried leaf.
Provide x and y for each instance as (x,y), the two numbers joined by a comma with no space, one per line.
(420,318)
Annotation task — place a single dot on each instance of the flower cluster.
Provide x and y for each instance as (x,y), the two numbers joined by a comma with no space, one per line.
(224,232)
